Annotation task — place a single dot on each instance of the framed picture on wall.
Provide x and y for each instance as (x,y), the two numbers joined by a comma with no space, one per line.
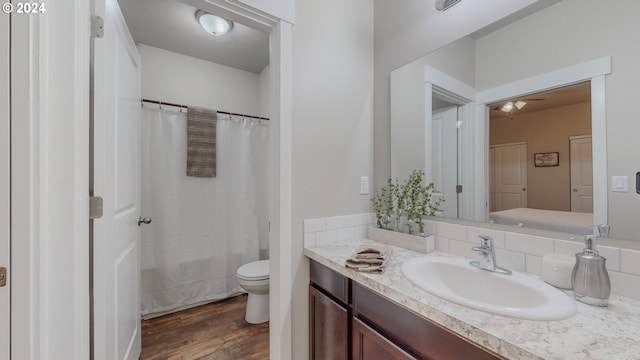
(546,159)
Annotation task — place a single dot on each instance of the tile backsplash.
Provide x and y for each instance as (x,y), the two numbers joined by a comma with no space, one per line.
(517,251)
(349,228)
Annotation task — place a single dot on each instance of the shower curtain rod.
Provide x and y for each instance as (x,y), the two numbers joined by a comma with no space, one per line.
(186,107)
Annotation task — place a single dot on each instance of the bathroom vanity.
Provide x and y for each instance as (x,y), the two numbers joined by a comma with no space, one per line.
(346,317)
(384,316)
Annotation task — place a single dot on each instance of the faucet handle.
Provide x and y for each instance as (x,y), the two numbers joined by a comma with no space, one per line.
(603,230)
(486,240)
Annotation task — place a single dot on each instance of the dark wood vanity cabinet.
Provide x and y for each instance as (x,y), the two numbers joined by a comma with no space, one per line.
(349,321)
(329,314)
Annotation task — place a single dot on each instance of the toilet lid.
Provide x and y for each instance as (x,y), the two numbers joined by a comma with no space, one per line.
(254,270)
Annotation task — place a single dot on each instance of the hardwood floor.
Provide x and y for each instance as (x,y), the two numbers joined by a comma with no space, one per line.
(215,331)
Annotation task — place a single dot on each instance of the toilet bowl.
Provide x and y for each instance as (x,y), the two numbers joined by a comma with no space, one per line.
(254,279)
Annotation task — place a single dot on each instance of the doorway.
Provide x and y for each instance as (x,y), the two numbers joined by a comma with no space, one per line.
(279,235)
(444,155)
(546,122)
(591,72)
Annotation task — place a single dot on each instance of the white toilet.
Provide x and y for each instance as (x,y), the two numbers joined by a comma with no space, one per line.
(254,278)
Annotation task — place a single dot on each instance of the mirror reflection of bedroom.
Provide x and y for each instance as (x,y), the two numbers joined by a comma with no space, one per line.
(540,160)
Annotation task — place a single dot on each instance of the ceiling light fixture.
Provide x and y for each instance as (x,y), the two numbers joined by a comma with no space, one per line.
(442,5)
(212,24)
(520,104)
(507,107)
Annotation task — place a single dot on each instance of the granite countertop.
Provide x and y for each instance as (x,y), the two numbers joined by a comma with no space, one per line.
(593,333)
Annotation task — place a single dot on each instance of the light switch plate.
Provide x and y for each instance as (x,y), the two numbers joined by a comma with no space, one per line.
(364,185)
(620,183)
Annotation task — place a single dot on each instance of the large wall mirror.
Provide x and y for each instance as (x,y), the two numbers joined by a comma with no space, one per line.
(511,125)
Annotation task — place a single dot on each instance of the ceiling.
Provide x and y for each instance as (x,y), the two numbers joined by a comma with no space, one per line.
(172,25)
(569,95)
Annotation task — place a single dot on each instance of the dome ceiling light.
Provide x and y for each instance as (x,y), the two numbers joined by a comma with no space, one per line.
(212,24)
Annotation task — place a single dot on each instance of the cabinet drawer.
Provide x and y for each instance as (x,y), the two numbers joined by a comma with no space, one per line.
(330,281)
(370,345)
(411,331)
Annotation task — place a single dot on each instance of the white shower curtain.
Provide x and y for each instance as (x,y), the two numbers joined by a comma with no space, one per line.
(203,229)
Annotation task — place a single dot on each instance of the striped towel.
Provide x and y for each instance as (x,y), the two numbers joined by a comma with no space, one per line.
(201,142)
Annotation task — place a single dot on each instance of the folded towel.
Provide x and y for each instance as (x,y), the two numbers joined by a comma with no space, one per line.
(369,258)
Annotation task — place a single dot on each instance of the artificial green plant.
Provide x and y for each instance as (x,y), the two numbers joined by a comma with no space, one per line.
(411,199)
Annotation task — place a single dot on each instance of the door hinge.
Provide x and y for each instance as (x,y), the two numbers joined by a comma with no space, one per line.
(97,26)
(458,189)
(3,276)
(95,207)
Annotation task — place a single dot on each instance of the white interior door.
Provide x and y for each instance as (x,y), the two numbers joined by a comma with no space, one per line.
(581,174)
(444,159)
(116,287)
(4,186)
(510,175)
(492,180)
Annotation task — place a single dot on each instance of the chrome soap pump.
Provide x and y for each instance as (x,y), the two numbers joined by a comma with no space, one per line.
(590,280)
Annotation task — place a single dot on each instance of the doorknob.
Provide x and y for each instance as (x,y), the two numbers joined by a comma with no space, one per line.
(575,190)
(524,189)
(142,220)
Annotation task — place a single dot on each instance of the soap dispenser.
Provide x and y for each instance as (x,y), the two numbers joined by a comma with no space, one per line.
(590,280)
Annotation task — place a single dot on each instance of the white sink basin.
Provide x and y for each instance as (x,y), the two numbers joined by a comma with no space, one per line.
(515,295)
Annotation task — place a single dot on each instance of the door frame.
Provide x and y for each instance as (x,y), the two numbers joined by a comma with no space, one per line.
(49,176)
(457,92)
(5,187)
(49,214)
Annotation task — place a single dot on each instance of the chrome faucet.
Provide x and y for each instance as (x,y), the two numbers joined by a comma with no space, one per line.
(488,259)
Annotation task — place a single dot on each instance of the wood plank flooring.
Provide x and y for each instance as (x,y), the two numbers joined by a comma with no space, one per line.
(215,331)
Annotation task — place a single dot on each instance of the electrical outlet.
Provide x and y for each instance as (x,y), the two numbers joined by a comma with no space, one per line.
(364,185)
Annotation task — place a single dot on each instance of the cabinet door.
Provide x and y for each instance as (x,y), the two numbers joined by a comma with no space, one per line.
(328,328)
(370,345)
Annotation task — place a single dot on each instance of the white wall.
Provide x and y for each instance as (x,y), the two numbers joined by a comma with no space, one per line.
(407,32)
(572,32)
(181,79)
(407,105)
(332,126)
(264,93)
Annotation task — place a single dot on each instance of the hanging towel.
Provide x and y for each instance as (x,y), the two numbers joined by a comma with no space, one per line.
(201,142)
